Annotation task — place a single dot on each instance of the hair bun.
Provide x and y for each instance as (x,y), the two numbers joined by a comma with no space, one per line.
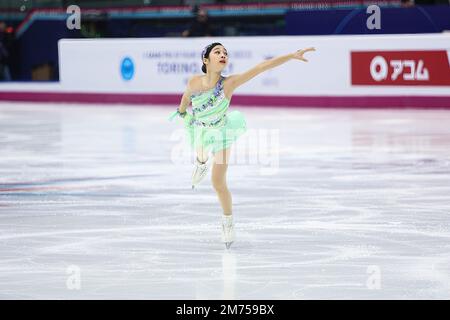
(204,68)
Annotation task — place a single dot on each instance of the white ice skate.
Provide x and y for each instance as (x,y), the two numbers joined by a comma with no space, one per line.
(200,171)
(227,230)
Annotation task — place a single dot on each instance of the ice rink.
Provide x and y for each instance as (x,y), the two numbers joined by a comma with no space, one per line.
(96,203)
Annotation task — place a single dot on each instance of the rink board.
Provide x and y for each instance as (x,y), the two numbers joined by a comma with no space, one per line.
(350,71)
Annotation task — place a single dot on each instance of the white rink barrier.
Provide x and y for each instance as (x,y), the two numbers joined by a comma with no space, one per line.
(356,71)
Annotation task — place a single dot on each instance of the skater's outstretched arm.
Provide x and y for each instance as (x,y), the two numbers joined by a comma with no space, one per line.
(239,79)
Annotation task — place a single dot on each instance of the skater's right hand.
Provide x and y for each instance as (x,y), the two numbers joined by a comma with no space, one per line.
(177,112)
(299,54)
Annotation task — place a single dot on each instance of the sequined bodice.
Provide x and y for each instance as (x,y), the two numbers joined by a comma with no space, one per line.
(209,107)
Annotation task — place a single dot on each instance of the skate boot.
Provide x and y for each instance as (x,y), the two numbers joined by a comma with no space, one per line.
(227,230)
(200,171)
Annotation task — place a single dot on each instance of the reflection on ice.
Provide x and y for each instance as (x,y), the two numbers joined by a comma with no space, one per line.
(229,274)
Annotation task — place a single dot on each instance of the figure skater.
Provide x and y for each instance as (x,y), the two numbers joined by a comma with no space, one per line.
(210,128)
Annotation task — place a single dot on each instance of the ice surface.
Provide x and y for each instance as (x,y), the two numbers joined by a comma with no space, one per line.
(96,203)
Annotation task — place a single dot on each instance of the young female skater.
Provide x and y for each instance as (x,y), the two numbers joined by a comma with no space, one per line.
(210,128)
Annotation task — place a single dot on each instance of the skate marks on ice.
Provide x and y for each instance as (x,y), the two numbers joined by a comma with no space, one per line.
(92,207)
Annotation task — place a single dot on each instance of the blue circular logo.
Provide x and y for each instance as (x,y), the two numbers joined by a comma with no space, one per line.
(127,68)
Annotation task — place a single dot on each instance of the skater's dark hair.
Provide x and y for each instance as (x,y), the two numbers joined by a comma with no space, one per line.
(206,51)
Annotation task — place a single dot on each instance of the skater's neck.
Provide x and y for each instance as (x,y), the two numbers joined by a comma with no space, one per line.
(211,78)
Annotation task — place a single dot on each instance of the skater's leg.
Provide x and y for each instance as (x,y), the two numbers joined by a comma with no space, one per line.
(218,178)
(202,154)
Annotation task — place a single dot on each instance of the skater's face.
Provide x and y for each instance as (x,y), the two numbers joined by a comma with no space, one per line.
(218,59)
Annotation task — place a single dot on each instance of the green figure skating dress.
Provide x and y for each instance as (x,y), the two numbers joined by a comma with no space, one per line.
(210,125)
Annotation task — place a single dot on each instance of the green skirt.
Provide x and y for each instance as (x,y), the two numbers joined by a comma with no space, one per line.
(216,139)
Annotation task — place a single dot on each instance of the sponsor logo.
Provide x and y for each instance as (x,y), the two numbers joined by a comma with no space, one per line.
(400,68)
(127,68)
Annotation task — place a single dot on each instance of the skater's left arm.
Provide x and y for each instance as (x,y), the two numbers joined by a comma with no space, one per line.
(239,79)
(185,100)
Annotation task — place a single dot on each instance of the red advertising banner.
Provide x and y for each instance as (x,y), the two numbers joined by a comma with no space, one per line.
(400,68)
